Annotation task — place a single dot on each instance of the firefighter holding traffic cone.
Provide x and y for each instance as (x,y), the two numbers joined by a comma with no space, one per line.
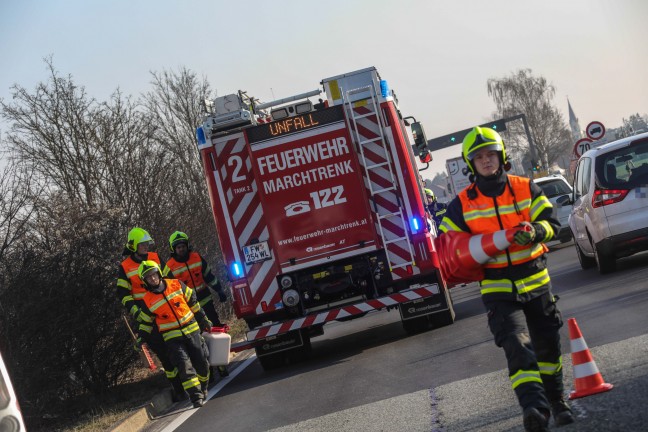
(515,285)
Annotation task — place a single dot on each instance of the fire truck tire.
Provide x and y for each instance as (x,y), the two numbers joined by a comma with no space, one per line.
(444,318)
(416,325)
(272,361)
(303,352)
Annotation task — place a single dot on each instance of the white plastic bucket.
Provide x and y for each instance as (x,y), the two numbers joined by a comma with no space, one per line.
(218,344)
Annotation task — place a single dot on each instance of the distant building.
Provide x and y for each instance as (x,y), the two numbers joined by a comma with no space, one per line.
(576,131)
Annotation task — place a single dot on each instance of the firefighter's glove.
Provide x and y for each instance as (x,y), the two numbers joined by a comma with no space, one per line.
(137,345)
(525,235)
(206,325)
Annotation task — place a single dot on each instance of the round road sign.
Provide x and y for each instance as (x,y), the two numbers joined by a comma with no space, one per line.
(581,146)
(595,130)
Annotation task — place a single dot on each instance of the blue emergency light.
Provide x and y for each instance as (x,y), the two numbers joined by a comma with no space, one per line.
(415,225)
(237,270)
(200,136)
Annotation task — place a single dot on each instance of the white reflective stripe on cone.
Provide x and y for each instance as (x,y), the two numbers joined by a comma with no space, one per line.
(476,250)
(586,369)
(578,345)
(500,240)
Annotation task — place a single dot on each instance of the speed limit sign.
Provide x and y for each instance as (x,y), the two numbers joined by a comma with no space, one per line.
(581,146)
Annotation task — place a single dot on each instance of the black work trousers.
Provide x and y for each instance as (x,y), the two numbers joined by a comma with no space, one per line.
(158,346)
(529,334)
(189,353)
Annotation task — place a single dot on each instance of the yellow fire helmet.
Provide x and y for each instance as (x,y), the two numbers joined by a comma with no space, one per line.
(137,236)
(482,138)
(177,237)
(147,267)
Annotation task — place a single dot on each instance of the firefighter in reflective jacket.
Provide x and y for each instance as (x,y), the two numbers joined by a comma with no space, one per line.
(130,292)
(516,290)
(436,209)
(179,319)
(192,269)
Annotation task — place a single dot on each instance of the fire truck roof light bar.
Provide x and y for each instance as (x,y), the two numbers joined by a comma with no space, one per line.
(288,99)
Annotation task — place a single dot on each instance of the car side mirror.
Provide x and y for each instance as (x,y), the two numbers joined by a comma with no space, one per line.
(564,200)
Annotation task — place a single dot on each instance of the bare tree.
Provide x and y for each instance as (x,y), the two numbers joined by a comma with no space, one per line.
(524,93)
(17,204)
(83,172)
(97,153)
(175,107)
(633,125)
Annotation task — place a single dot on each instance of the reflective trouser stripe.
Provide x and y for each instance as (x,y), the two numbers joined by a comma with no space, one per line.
(547,368)
(521,377)
(192,382)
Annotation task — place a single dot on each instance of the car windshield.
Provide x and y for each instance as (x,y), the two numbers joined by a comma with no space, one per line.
(625,168)
(552,188)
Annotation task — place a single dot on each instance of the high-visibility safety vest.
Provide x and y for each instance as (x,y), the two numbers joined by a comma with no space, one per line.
(189,272)
(173,315)
(130,268)
(487,214)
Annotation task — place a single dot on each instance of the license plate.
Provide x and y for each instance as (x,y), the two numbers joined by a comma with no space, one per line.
(256,252)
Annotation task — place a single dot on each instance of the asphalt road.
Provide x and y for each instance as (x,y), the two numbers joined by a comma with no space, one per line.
(368,375)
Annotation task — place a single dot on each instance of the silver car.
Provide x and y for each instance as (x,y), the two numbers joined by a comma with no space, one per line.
(10,416)
(554,187)
(609,218)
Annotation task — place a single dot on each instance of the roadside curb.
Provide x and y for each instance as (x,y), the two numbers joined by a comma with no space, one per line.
(162,401)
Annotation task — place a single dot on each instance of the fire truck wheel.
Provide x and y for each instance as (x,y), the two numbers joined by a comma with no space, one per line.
(416,325)
(442,319)
(272,361)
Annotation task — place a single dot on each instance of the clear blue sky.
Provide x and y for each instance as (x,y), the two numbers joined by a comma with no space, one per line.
(436,55)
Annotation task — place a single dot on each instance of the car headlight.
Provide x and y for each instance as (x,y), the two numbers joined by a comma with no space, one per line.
(290,298)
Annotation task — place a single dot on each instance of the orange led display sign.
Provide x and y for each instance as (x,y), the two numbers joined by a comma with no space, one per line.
(295,124)
(292,124)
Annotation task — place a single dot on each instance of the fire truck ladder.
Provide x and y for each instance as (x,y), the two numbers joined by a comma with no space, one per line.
(380,170)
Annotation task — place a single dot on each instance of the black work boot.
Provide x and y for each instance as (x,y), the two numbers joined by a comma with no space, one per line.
(536,420)
(561,412)
(197,403)
(179,397)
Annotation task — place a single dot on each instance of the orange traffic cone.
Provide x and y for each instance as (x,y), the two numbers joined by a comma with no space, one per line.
(461,255)
(478,249)
(587,378)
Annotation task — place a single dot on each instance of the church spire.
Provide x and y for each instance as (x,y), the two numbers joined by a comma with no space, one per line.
(573,123)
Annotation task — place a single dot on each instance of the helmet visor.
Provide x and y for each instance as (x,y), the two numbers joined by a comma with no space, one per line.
(488,146)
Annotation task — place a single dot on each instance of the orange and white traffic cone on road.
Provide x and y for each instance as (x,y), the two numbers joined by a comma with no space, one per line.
(587,378)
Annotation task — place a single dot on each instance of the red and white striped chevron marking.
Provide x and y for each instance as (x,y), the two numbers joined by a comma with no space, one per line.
(376,152)
(342,312)
(246,218)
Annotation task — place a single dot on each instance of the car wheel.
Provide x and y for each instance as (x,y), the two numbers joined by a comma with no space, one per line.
(585,261)
(605,263)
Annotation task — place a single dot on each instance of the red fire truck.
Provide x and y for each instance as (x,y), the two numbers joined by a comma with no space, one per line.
(319,211)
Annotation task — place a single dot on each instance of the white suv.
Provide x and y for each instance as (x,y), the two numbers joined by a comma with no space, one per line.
(554,187)
(609,218)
